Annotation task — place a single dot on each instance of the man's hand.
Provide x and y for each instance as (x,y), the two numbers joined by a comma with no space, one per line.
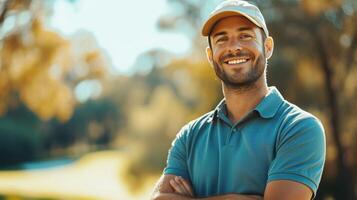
(171,187)
(181,186)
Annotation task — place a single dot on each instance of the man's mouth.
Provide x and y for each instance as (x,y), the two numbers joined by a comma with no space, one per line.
(236,61)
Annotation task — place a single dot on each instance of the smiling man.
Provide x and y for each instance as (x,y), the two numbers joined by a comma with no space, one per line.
(254,144)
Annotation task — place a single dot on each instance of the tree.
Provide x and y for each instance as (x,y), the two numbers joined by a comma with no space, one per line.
(39,72)
(38,66)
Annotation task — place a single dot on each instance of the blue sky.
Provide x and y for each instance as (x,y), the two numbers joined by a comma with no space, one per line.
(124,29)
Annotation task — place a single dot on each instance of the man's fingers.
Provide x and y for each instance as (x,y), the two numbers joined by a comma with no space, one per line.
(179,182)
(177,187)
(256,197)
(187,186)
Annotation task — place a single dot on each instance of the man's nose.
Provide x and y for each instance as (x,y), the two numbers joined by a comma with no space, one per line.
(234,46)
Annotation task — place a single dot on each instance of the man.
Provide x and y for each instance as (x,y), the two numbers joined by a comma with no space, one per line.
(255,144)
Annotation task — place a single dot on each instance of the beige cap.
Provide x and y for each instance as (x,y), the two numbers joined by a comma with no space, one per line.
(234,7)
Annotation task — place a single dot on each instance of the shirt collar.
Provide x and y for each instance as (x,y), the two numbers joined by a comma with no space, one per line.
(267,108)
(270,104)
(219,111)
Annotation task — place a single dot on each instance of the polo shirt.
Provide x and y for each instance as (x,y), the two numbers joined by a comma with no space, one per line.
(275,141)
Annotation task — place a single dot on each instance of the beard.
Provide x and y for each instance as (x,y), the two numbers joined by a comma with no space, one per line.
(240,81)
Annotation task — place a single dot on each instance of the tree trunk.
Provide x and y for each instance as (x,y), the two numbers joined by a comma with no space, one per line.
(345,182)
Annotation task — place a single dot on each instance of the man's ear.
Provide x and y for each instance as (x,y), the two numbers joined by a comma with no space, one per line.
(209,54)
(269,47)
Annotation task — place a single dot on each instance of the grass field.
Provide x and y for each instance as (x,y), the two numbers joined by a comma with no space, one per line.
(97,175)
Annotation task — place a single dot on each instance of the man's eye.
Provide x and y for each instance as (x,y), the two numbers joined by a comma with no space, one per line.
(221,39)
(246,37)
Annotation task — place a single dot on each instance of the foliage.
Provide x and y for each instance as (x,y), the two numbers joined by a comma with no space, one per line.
(38,66)
(19,138)
(91,127)
(39,70)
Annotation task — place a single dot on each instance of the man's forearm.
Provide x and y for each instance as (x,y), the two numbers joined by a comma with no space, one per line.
(172,187)
(172,196)
(234,197)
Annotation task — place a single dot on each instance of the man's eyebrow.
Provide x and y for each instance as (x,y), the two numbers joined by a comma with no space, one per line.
(219,33)
(244,28)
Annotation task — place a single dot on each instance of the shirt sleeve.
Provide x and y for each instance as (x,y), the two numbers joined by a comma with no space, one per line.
(300,154)
(177,156)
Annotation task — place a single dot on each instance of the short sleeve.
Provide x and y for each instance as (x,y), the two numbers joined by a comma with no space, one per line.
(177,157)
(300,154)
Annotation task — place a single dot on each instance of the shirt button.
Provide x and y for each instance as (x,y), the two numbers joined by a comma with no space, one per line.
(234,130)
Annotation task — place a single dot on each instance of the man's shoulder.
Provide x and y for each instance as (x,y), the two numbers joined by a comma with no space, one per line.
(200,121)
(190,128)
(292,115)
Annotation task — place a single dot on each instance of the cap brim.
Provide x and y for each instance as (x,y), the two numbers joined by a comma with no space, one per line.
(206,29)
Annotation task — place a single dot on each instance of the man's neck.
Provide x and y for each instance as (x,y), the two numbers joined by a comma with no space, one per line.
(241,101)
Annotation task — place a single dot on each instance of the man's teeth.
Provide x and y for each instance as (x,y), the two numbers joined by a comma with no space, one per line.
(237,61)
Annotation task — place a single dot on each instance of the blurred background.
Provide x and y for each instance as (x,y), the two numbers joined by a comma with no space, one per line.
(93,92)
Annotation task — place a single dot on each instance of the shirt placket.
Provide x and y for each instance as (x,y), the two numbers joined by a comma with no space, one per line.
(229,135)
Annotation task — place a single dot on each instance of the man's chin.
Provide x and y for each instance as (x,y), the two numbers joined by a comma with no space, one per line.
(239,85)
(239,81)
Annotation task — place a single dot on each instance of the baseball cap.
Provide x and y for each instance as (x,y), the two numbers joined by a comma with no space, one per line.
(234,7)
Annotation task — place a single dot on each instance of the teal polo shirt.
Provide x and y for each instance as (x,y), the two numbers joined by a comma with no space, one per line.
(274,141)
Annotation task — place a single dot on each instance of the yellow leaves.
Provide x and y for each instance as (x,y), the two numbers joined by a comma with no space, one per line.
(351,83)
(308,73)
(196,80)
(25,70)
(49,43)
(22,62)
(95,63)
(18,4)
(23,58)
(314,8)
(36,65)
(163,109)
(4,90)
(48,97)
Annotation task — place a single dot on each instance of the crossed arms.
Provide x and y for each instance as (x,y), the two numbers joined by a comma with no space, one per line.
(171,187)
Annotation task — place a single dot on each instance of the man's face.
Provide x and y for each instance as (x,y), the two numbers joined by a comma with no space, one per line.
(238,53)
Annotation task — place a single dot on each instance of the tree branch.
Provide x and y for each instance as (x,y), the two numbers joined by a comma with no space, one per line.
(350,57)
(4,11)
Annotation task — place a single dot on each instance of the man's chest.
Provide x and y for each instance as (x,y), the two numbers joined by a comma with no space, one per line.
(231,160)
